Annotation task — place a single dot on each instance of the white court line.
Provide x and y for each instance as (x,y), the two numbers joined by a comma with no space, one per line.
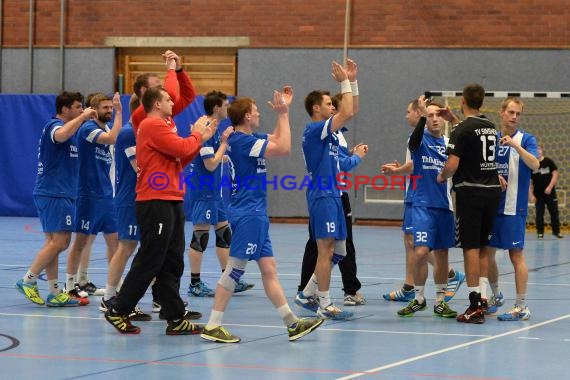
(261,326)
(448,349)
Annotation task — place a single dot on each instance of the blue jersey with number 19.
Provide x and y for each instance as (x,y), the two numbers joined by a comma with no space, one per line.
(248,174)
(58,164)
(320,149)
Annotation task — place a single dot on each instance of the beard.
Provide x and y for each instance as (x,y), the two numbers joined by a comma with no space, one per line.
(104,117)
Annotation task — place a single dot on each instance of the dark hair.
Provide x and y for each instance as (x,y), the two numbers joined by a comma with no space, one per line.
(336,100)
(473,94)
(151,96)
(314,98)
(142,81)
(238,109)
(212,99)
(66,99)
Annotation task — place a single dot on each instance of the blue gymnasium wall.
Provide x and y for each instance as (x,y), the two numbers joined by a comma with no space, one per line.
(23,117)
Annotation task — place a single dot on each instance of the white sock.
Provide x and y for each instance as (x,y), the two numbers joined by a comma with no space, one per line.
(82,276)
(110,291)
(521,300)
(483,283)
(30,277)
(473,289)
(53,287)
(420,293)
(287,315)
(215,319)
(311,287)
(324,298)
(440,292)
(70,281)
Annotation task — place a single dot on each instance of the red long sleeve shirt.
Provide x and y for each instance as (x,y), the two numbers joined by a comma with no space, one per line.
(161,156)
(181,91)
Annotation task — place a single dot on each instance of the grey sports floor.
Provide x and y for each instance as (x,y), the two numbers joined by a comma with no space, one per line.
(73,343)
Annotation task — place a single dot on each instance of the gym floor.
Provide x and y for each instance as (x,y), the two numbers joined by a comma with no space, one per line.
(74,343)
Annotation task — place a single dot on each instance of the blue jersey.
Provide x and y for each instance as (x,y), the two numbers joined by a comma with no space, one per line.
(428,160)
(203,184)
(94,163)
(409,193)
(125,176)
(320,149)
(58,164)
(514,201)
(248,174)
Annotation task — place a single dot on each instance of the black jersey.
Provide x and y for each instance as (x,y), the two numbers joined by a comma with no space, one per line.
(474,141)
(542,177)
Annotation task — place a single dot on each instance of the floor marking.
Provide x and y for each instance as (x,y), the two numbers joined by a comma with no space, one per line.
(452,348)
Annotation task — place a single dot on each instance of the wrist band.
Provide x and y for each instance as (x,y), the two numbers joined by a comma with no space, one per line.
(354,87)
(345,86)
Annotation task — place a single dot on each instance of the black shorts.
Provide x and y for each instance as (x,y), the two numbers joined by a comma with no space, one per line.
(476,211)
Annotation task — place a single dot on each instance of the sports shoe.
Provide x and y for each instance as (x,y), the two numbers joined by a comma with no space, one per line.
(559,236)
(475,316)
(188,315)
(92,290)
(121,322)
(334,313)
(354,300)
(310,303)
(156,307)
(303,327)
(442,310)
(183,327)
(138,315)
(220,335)
(453,285)
(30,291)
(61,300)
(77,294)
(515,314)
(411,308)
(400,295)
(200,290)
(242,286)
(495,303)
(106,304)
(540,236)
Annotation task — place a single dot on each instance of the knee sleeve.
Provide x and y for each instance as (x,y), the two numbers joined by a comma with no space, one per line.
(224,236)
(339,251)
(200,240)
(231,276)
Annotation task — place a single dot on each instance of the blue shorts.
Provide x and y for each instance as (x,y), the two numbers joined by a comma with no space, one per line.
(250,237)
(56,214)
(327,220)
(127,224)
(209,212)
(433,227)
(407,225)
(508,232)
(94,215)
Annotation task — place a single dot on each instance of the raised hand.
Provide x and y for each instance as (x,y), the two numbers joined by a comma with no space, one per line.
(338,72)
(117,106)
(351,69)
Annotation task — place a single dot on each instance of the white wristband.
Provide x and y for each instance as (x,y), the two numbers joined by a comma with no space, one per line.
(345,86)
(354,87)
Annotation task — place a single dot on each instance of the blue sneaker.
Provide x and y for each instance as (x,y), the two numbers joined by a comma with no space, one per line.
(400,295)
(495,304)
(242,286)
(515,314)
(333,312)
(30,291)
(200,290)
(61,300)
(453,285)
(310,303)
